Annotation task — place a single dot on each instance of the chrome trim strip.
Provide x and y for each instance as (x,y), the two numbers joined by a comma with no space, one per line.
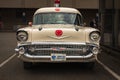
(87,56)
(68,49)
(74,43)
(56,43)
(63,37)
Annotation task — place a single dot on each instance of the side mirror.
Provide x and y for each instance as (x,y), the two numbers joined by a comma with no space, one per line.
(30,23)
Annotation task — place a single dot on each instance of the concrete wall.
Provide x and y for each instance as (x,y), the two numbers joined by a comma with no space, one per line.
(110,3)
(89,4)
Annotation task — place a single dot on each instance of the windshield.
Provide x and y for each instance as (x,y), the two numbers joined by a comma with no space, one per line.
(57,18)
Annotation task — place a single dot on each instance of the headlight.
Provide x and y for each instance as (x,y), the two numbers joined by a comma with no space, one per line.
(94,36)
(22,36)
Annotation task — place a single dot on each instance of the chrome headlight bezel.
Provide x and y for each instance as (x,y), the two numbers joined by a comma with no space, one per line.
(94,36)
(21,50)
(22,36)
(95,50)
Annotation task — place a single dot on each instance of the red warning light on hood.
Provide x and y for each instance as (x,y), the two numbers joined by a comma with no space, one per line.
(58,33)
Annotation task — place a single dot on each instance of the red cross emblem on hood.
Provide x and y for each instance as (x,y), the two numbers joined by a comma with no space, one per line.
(58,33)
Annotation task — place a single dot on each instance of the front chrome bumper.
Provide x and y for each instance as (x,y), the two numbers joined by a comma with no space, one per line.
(29,58)
(25,56)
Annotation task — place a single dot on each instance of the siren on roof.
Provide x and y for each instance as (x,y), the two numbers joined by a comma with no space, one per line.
(57,3)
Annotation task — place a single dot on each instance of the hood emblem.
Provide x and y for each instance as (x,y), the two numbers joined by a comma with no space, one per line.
(62,37)
(58,48)
(58,33)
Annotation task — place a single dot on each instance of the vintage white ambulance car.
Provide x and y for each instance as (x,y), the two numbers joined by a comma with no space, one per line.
(57,35)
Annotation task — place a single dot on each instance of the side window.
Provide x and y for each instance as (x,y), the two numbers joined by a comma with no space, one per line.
(37,19)
(78,20)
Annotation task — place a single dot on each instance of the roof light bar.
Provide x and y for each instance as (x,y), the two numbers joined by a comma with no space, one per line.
(57,3)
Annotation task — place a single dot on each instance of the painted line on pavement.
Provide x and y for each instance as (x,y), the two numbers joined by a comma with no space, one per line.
(109,70)
(104,66)
(7,60)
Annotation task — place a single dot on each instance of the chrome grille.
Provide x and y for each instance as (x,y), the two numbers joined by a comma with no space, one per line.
(68,49)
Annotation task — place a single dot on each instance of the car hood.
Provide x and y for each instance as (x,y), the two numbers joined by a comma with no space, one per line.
(55,33)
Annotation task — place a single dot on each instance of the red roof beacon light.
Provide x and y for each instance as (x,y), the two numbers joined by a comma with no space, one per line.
(57,3)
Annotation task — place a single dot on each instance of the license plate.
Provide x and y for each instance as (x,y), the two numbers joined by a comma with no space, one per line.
(58,57)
